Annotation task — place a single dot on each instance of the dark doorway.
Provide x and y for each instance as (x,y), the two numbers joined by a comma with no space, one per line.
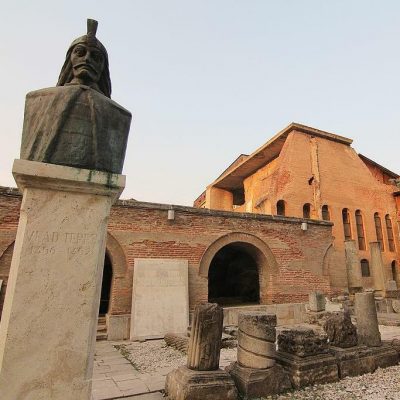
(233,277)
(106,286)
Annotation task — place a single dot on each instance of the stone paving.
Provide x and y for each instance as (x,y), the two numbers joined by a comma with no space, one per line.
(114,377)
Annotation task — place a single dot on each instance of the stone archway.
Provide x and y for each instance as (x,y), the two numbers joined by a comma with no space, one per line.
(118,304)
(248,257)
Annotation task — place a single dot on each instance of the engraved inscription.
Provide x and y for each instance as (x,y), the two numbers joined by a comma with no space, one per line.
(162,278)
(49,242)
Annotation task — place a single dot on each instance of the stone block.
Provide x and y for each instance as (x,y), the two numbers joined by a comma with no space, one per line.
(391,285)
(118,327)
(311,370)
(340,330)
(353,361)
(396,305)
(316,301)
(160,302)
(302,342)
(255,383)
(186,384)
(385,356)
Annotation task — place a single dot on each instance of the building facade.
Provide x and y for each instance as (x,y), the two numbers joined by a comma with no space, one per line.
(308,173)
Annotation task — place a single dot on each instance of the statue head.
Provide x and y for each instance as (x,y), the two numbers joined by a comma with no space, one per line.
(87,62)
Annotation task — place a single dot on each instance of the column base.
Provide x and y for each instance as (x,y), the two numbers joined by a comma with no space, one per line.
(256,383)
(186,384)
(310,370)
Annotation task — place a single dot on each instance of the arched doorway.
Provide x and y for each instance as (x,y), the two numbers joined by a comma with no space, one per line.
(106,286)
(233,276)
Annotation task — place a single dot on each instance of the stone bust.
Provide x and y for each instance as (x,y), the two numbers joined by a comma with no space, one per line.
(76,123)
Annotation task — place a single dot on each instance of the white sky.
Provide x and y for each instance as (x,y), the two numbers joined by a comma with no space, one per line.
(207,80)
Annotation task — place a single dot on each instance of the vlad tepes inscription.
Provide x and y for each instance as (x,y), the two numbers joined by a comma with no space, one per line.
(76,123)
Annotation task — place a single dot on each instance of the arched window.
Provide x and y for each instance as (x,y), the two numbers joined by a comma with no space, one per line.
(360,230)
(307,210)
(365,268)
(394,270)
(346,224)
(280,207)
(378,228)
(389,230)
(325,213)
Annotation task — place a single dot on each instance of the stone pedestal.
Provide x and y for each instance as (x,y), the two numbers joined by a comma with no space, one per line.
(49,320)
(186,384)
(310,370)
(255,383)
(367,319)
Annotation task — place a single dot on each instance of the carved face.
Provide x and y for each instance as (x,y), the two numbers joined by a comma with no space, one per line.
(87,63)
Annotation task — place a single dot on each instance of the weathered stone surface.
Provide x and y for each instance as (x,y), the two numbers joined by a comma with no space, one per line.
(396,306)
(186,384)
(118,327)
(316,301)
(256,340)
(391,285)
(367,319)
(302,342)
(178,342)
(205,338)
(49,320)
(354,361)
(385,356)
(76,123)
(304,371)
(340,330)
(160,288)
(255,383)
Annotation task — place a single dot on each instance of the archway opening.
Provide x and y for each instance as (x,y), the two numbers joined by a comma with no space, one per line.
(233,276)
(106,286)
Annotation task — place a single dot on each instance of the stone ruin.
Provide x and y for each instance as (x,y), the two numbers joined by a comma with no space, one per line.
(201,378)
(269,363)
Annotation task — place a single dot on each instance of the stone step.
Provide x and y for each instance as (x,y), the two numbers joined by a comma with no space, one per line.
(101,327)
(101,336)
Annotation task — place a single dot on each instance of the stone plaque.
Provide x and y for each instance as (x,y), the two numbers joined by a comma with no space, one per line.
(160,301)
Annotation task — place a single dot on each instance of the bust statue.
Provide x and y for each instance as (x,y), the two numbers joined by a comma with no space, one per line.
(76,123)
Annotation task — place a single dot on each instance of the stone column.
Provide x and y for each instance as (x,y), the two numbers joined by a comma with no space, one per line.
(378,270)
(205,338)
(255,372)
(367,319)
(256,340)
(352,265)
(202,379)
(49,321)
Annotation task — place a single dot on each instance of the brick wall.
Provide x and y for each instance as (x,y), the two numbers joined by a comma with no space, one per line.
(291,262)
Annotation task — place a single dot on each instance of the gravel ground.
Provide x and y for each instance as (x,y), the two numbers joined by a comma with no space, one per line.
(383,384)
(152,355)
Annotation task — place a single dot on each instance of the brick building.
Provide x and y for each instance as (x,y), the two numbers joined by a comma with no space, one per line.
(305,172)
(260,234)
(233,258)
